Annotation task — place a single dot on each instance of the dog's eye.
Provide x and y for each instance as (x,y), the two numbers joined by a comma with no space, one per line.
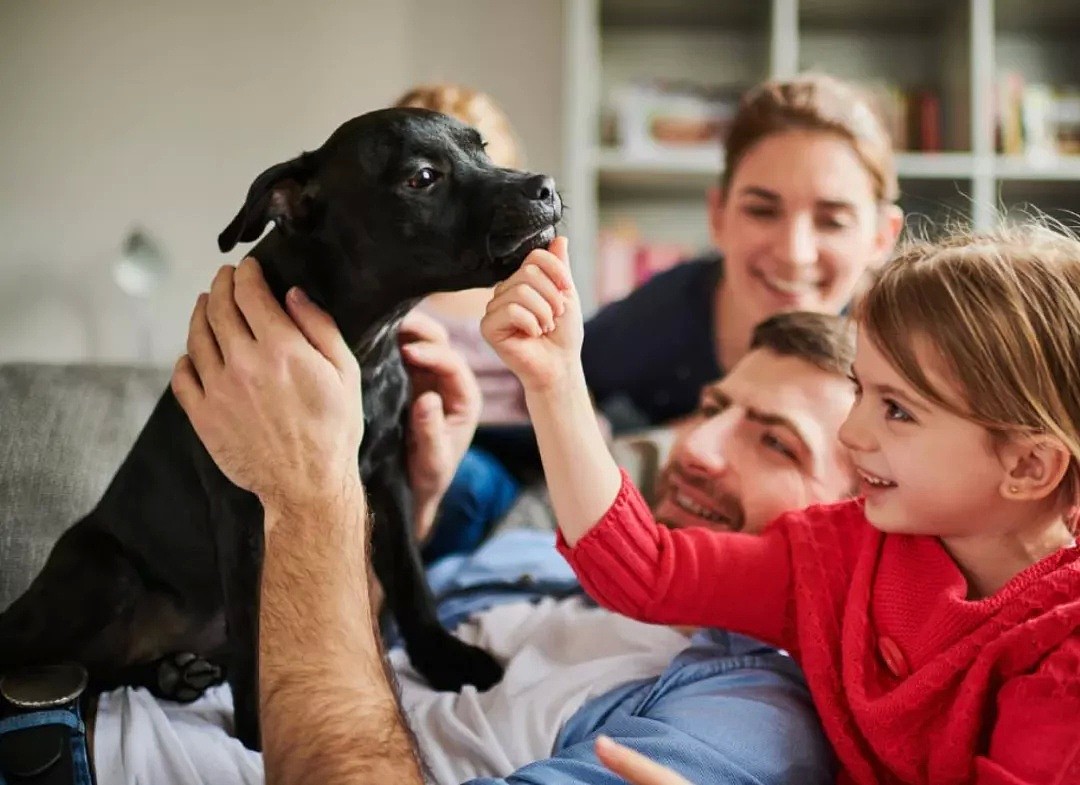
(424,178)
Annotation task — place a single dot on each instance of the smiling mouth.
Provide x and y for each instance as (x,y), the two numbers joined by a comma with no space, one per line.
(684,502)
(788,288)
(873,480)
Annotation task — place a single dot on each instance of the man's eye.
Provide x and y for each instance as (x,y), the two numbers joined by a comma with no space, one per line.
(776,445)
(424,178)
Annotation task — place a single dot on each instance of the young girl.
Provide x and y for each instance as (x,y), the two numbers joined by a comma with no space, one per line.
(937,617)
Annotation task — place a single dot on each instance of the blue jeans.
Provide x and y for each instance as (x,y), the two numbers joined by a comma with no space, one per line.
(479,495)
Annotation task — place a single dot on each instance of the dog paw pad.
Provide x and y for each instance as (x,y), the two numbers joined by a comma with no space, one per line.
(184,677)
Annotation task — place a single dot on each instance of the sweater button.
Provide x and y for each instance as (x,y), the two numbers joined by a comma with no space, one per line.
(893,657)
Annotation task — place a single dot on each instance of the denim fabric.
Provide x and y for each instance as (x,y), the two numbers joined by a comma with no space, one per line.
(72,718)
(729,709)
(479,495)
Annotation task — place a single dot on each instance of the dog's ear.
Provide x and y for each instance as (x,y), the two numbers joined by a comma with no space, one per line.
(280,194)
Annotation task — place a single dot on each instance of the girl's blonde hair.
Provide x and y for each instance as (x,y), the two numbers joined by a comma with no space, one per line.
(472,108)
(814,102)
(1001,312)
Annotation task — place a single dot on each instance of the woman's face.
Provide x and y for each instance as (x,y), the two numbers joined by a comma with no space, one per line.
(798,225)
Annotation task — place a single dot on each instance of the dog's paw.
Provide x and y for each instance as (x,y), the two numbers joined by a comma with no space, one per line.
(184,677)
(453,664)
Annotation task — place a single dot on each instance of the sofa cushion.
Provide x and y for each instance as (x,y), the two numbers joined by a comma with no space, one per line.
(64,429)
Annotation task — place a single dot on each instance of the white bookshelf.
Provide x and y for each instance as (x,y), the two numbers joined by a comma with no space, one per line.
(958,46)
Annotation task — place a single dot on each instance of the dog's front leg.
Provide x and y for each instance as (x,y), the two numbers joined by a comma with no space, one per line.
(238,527)
(445,661)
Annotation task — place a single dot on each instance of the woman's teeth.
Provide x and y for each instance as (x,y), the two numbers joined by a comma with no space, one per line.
(786,286)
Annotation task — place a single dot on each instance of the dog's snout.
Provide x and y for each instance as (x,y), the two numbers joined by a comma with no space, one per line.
(540,188)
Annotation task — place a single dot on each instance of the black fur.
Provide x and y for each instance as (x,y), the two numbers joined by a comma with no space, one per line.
(169,559)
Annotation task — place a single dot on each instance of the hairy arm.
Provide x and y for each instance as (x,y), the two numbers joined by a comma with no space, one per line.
(329,710)
(275,400)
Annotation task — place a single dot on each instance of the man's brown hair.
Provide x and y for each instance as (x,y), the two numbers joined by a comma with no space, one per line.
(824,340)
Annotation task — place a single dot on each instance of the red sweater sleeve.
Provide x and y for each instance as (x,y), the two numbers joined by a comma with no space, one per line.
(1036,733)
(631,564)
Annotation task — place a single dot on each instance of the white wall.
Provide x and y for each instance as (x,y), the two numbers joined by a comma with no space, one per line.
(158,114)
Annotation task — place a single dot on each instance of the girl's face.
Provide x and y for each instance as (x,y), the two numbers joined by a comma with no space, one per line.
(921,468)
(799,225)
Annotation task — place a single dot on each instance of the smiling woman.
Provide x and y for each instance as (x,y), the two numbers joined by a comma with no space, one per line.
(803,209)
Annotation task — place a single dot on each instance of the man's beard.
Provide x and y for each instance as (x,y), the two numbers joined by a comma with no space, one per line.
(722,505)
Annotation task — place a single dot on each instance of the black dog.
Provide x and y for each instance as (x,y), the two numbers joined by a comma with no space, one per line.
(397,204)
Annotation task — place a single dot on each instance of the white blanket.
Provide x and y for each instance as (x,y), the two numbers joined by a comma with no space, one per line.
(558,655)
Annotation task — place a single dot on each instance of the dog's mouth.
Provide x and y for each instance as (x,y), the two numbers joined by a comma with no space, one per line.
(509,251)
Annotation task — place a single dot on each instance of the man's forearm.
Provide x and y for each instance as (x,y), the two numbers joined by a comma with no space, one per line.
(327,709)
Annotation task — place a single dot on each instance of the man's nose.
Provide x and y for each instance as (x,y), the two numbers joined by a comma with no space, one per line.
(704,450)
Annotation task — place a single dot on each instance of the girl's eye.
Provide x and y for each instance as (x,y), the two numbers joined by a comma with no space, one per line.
(708,409)
(858,387)
(759,211)
(893,411)
(774,444)
(424,178)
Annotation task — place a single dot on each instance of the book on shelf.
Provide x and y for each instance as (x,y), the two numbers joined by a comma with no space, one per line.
(625,261)
(1034,119)
(911,115)
(664,120)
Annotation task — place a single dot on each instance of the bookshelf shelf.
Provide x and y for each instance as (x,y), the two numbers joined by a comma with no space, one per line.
(1008,167)
(690,171)
(960,50)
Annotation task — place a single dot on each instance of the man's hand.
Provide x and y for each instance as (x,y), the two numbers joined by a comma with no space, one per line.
(534,320)
(634,767)
(444,413)
(275,400)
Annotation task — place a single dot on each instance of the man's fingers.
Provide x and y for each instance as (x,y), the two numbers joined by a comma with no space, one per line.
(186,385)
(318,328)
(263,314)
(427,428)
(454,379)
(634,767)
(419,326)
(203,351)
(230,329)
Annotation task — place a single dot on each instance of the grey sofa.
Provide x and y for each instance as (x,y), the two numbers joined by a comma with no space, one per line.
(64,429)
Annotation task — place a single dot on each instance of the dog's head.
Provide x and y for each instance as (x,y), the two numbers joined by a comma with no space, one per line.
(407,202)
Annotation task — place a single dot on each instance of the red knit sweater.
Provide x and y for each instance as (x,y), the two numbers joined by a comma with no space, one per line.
(913,682)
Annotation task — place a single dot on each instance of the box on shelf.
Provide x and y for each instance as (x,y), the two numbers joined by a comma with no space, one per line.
(665,120)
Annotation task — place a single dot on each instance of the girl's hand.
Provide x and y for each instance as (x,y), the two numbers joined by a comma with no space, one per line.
(534,320)
(634,767)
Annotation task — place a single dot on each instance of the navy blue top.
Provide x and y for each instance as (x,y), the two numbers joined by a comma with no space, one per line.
(647,356)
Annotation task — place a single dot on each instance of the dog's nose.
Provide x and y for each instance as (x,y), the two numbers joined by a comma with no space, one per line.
(540,188)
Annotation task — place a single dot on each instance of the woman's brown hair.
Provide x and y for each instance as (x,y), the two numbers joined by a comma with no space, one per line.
(814,102)
(472,108)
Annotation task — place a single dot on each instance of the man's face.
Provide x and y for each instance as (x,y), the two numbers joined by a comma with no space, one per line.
(763,442)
